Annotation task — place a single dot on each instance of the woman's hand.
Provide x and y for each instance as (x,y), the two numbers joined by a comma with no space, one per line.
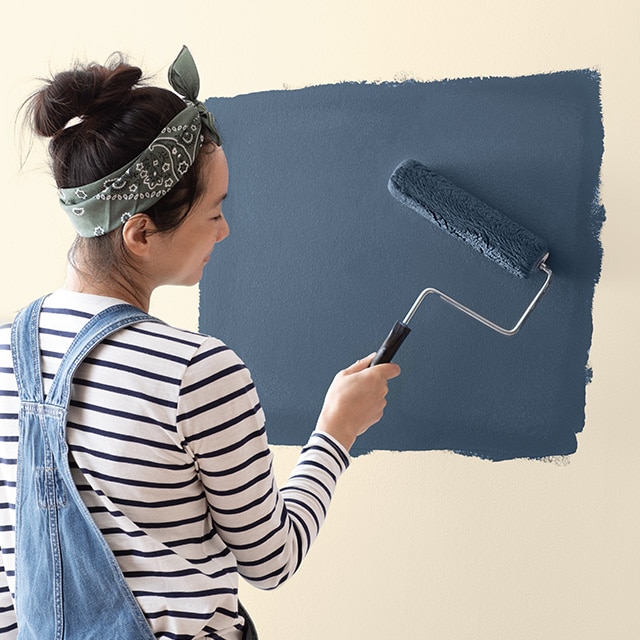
(356,400)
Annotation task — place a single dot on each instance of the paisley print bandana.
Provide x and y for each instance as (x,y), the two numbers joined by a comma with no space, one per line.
(106,204)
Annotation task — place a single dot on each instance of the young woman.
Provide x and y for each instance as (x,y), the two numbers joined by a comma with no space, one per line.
(136,480)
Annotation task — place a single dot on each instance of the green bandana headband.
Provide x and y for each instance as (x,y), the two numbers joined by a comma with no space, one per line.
(106,204)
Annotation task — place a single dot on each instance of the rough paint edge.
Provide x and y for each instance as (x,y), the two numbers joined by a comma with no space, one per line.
(597,217)
(403,78)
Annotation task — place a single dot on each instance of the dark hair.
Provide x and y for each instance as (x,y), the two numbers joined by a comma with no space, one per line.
(118,117)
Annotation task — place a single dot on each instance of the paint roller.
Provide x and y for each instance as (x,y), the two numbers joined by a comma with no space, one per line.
(467,218)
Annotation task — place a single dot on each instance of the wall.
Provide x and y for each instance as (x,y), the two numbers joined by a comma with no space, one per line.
(417,544)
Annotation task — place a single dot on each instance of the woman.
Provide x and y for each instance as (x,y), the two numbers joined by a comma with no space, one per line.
(136,482)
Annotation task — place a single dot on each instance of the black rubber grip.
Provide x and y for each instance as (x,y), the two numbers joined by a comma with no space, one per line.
(391,344)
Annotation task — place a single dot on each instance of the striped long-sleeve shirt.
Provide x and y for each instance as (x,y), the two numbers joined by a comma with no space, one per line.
(169,452)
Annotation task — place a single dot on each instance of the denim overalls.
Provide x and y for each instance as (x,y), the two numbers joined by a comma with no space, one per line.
(68,583)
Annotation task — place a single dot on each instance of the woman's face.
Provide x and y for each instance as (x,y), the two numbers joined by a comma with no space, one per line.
(182,254)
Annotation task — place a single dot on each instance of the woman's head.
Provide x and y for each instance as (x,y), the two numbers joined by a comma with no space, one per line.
(99,118)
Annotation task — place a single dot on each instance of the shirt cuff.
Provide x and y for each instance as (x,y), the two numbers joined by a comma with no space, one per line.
(333,447)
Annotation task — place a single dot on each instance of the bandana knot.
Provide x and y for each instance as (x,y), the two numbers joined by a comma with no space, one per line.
(184,78)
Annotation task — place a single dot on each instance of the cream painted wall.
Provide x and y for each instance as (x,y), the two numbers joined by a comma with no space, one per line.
(420,545)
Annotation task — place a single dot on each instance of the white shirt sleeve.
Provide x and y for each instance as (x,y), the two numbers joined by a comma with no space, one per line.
(269,531)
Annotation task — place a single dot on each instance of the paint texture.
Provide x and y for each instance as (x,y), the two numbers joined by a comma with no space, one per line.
(322,260)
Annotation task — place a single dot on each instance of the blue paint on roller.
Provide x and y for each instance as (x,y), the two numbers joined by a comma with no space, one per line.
(321,259)
(464,216)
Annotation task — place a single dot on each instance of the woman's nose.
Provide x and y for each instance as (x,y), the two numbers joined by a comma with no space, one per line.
(224,230)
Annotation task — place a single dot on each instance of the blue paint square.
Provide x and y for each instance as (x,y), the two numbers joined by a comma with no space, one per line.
(321,260)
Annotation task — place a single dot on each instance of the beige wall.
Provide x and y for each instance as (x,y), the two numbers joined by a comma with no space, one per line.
(421,545)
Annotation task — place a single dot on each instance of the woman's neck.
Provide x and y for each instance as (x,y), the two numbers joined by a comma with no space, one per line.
(110,287)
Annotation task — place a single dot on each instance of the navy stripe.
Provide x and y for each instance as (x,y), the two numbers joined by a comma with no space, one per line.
(246,527)
(216,403)
(187,594)
(51,354)
(175,523)
(303,525)
(172,544)
(143,554)
(163,355)
(181,573)
(163,336)
(257,563)
(315,447)
(124,437)
(138,483)
(231,470)
(255,543)
(219,375)
(122,414)
(286,490)
(134,462)
(208,353)
(318,482)
(168,552)
(144,373)
(126,392)
(160,504)
(239,489)
(108,531)
(67,312)
(244,507)
(317,465)
(57,332)
(166,635)
(307,508)
(178,614)
(232,447)
(269,576)
(334,447)
(225,425)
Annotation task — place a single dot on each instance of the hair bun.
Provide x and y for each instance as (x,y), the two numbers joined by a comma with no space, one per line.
(120,115)
(90,91)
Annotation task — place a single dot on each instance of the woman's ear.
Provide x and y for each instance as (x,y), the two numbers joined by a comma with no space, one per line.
(136,232)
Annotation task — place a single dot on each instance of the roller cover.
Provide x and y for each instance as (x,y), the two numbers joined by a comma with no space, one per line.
(464,216)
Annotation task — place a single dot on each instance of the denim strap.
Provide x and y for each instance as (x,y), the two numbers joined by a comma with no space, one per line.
(69,585)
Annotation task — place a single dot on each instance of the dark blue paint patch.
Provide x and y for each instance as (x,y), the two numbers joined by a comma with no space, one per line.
(321,260)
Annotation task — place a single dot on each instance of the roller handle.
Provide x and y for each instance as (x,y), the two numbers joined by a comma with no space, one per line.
(391,344)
